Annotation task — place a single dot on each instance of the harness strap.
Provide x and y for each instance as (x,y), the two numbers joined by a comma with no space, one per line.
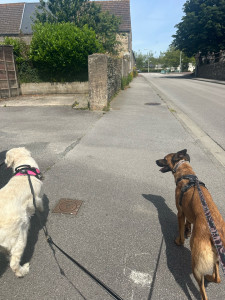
(28,170)
(192,182)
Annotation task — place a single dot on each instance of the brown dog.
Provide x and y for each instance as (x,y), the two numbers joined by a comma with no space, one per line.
(188,203)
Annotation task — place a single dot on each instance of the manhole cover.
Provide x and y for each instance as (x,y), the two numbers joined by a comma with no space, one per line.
(67,206)
(153,103)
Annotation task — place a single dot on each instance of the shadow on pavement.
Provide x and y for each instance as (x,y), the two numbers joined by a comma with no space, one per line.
(178,258)
(33,232)
(5,173)
(176,76)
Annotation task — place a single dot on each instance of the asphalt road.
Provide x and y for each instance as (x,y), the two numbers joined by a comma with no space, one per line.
(202,101)
(124,231)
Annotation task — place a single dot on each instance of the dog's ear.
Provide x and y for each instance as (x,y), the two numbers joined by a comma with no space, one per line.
(181,155)
(13,154)
(9,159)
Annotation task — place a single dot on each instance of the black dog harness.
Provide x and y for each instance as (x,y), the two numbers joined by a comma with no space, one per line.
(192,182)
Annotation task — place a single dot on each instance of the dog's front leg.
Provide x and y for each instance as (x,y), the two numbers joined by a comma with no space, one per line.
(181,221)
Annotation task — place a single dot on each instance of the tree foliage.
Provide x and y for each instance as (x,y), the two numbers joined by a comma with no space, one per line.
(167,59)
(20,49)
(62,49)
(172,58)
(80,13)
(143,60)
(202,27)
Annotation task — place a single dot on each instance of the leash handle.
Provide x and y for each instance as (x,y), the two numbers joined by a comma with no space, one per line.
(212,227)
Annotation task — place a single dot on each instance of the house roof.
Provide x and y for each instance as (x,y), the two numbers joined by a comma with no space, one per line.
(16,18)
(119,8)
(29,14)
(10,18)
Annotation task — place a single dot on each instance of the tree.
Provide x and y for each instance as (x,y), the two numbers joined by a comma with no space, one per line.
(80,13)
(202,28)
(145,60)
(171,58)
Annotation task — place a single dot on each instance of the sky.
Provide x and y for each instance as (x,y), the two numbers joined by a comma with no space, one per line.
(152,23)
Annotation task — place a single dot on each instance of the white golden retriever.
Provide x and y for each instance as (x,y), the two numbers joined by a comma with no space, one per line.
(16,208)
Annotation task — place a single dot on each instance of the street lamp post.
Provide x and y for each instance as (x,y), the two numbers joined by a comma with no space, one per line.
(180,61)
(148,59)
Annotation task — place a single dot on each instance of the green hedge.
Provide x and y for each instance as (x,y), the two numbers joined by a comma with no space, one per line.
(60,51)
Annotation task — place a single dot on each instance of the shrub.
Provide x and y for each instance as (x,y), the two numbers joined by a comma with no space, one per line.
(135,72)
(60,51)
(20,49)
(126,80)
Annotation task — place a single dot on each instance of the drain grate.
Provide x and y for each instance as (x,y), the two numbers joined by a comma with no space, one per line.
(67,206)
(153,103)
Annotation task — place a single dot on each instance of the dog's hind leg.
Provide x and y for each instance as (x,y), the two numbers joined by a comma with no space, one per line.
(39,204)
(199,276)
(16,254)
(215,277)
(200,280)
(187,230)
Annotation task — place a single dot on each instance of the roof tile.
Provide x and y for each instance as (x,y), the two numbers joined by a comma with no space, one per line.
(11,16)
(120,8)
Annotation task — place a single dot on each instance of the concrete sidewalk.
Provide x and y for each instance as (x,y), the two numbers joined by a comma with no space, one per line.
(124,230)
(73,100)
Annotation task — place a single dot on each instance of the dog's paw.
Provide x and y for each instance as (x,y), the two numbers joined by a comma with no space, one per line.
(213,278)
(23,270)
(178,242)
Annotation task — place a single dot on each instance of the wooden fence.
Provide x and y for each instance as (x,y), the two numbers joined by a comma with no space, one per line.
(8,78)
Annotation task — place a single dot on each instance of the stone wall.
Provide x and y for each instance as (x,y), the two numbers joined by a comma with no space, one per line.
(77,90)
(124,47)
(212,71)
(105,74)
(211,66)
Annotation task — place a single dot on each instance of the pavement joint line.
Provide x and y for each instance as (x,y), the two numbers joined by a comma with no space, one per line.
(208,143)
(68,149)
(64,153)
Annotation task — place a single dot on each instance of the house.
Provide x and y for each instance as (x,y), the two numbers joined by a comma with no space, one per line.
(16,21)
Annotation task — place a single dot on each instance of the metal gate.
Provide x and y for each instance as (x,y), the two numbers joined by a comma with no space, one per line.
(8,78)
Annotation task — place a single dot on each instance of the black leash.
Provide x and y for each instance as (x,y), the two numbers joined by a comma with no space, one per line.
(51,242)
(193,181)
(212,227)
